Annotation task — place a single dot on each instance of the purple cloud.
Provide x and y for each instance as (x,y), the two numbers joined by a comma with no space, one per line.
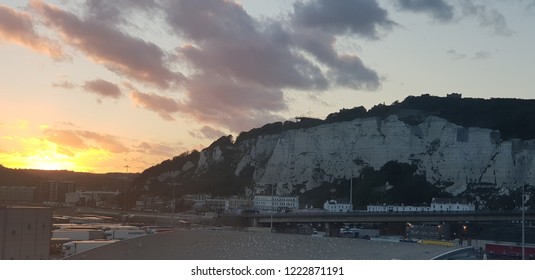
(18,28)
(103,88)
(118,51)
(164,106)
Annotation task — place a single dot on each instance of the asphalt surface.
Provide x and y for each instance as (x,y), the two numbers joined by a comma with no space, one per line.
(238,245)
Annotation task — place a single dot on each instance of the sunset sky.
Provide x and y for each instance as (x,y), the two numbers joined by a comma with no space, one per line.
(97,85)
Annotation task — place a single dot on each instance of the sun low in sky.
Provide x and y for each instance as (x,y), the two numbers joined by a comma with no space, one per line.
(90,85)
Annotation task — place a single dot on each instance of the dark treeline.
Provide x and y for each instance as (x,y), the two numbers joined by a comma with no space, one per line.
(513,118)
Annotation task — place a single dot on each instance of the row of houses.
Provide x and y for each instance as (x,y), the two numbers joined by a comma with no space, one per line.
(437,205)
(267,203)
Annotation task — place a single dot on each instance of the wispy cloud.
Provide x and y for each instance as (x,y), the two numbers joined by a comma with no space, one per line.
(64,84)
(479,55)
(18,27)
(488,17)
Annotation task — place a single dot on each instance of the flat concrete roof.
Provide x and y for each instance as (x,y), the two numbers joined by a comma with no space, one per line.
(237,245)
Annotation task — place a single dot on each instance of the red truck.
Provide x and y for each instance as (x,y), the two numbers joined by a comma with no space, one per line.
(509,250)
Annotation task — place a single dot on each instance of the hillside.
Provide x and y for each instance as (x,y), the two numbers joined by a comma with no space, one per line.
(83,180)
(420,148)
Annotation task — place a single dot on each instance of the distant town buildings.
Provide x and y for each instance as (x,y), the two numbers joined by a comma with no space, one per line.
(16,193)
(51,191)
(203,203)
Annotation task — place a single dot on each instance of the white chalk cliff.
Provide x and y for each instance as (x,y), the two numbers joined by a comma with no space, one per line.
(450,156)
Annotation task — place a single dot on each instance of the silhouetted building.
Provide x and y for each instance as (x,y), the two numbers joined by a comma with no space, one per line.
(54,190)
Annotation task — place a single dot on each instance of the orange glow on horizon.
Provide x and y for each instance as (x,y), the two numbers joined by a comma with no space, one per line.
(46,155)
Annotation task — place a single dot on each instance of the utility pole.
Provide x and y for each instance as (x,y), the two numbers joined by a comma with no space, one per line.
(125,187)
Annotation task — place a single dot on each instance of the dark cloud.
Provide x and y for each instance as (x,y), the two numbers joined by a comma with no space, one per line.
(115,11)
(438,9)
(118,51)
(487,17)
(103,88)
(229,42)
(164,106)
(18,28)
(241,66)
(344,70)
(359,17)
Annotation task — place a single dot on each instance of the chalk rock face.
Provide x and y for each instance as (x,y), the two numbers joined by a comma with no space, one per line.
(450,156)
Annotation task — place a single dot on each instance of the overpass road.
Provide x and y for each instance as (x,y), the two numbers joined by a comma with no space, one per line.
(377,217)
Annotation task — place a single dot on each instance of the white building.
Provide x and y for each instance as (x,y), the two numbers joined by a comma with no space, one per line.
(334,206)
(275,203)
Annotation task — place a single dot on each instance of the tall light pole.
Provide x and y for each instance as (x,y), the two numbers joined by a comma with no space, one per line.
(271,220)
(523,226)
